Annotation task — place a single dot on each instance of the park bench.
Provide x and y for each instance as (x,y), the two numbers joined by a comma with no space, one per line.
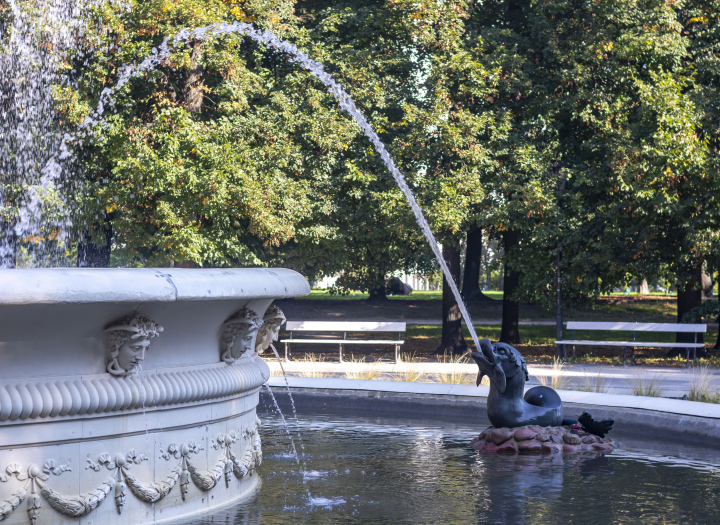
(636,327)
(322,328)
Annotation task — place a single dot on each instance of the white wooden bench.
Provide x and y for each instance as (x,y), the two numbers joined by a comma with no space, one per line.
(344,327)
(637,327)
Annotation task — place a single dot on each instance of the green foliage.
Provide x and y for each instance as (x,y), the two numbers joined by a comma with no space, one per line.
(600,157)
(589,127)
(206,159)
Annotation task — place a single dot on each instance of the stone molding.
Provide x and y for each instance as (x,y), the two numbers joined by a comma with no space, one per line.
(122,480)
(41,398)
(33,286)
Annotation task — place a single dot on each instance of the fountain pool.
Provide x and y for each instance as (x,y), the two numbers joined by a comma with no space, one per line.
(371,470)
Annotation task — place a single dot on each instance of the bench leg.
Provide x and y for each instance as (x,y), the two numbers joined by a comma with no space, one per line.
(397,354)
(287,352)
(687,358)
(624,355)
(341,357)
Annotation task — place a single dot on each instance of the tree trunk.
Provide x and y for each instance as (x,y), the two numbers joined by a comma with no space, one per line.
(510,332)
(452,341)
(193,82)
(689,296)
(471,290)
(379,291)
(644,288)
(706,281)
(717,342)
(185,264)
(91,255)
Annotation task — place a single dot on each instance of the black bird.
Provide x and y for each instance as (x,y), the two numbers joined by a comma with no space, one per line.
(599,428)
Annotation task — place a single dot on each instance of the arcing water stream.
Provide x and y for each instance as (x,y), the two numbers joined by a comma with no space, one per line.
(18,139)
(162,53)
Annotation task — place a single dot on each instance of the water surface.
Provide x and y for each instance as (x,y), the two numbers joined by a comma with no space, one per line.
(380,471)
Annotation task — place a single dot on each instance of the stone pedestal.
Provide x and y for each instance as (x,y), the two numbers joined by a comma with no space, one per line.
(116,406)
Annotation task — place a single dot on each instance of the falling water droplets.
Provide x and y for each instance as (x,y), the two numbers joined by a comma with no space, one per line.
(39,41)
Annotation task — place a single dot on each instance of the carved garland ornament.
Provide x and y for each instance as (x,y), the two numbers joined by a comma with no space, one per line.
(123,481)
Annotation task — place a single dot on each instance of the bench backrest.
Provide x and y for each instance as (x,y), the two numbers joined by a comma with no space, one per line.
(343,326)
(637,327)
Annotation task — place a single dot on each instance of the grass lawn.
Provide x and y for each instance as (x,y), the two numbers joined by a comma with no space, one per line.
(427,305)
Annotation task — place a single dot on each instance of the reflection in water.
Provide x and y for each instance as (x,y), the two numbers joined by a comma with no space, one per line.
(372,470)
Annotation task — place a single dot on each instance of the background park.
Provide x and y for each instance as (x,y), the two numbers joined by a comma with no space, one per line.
(211,212)
(563,152)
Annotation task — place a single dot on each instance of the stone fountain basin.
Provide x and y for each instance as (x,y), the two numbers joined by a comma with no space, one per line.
(178,438)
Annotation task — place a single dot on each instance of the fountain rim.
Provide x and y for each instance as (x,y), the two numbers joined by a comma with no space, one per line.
(35,286)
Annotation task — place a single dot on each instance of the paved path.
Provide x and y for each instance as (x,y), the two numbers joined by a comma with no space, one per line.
(670,382)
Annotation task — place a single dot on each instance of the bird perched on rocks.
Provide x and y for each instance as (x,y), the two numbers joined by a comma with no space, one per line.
(599,428)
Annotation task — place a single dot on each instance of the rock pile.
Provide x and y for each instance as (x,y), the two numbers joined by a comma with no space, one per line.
(533,439)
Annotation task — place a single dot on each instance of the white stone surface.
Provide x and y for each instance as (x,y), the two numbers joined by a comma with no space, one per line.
(130,285)
(69,429)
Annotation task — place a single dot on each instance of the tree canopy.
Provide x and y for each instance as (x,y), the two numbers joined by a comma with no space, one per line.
(584,133)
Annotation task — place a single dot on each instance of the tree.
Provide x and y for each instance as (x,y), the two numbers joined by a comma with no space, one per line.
(701,26)
(443,151)
(613,118)
(216,156)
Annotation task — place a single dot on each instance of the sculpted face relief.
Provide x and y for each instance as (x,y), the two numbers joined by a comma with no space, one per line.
(128,341)
(239,333)
(270,330)
(132,353)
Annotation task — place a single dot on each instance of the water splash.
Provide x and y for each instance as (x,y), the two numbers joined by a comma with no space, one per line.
(162,53)
(41,49)
(301,464)
(292,400)
(284,422)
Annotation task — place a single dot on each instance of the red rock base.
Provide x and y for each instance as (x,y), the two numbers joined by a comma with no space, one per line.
(533,439)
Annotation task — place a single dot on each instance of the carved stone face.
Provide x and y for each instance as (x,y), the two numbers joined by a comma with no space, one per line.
(132,353)
(128,340)
(275,333)
(270,330)
(244,342)
(268,334)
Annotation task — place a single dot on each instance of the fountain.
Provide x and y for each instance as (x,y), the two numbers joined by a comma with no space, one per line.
(530,421)
(170,399)
(140,386)
(134,386)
